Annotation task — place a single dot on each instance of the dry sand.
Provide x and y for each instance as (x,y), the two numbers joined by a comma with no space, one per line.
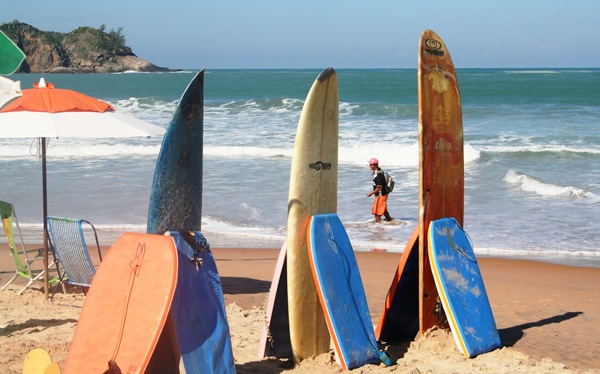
(548,317)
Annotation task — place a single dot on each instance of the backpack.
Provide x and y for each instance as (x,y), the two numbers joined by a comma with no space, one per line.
(389,182)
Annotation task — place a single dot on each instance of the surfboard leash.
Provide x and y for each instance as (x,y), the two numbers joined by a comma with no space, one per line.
(199,244)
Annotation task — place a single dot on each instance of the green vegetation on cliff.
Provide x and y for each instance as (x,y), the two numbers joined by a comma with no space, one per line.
(84,49)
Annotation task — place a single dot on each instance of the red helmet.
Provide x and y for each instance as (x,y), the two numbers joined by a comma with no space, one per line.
(373,161)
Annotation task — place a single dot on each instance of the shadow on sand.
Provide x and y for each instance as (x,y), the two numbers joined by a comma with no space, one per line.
(34,324)
(242,285)
(510,335)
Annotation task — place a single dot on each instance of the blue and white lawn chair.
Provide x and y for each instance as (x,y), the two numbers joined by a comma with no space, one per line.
(68,242)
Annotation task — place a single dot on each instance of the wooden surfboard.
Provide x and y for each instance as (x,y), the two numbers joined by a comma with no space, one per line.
(341,293)
(399,319)
(313,190)
(275,336)
(441,163)
(176,195)
(202,338)
(461,288)
(126,307)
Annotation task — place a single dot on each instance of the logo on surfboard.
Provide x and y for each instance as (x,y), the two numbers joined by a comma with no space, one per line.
(443,144)
(433,47)
(320,165)
(136,262)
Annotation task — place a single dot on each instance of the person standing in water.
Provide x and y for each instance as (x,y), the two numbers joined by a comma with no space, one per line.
(380,191)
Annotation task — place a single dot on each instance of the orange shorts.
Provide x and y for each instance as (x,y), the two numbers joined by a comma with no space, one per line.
(379,205)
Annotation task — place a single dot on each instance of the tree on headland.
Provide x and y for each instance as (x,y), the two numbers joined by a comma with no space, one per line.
(96,44)
(113,41)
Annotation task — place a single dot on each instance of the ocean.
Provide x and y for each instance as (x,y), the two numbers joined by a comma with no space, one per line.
(532,158)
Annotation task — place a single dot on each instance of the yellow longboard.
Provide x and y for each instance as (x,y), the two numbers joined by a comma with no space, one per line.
(313,190)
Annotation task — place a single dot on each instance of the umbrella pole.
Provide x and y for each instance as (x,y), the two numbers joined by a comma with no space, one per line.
(45,212)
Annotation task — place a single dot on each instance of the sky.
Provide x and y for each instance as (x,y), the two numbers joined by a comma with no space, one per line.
(265,34)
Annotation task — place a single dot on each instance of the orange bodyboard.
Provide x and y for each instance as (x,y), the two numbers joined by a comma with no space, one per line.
(126,307)
(400,315)
(441,159)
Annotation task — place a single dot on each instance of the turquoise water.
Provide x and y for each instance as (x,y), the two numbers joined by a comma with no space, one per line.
(532,152)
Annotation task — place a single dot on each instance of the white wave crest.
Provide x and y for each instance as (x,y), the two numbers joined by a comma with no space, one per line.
(471,153)
(532,72)
(246,151)
(537,148)
(68,150)
(394,155)
(389,155)
(531,184)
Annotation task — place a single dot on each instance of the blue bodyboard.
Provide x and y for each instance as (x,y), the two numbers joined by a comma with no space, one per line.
(461,289)
(341,293)
(198,308)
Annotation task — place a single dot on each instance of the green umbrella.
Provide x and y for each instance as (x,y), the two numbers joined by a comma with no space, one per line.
(10,55)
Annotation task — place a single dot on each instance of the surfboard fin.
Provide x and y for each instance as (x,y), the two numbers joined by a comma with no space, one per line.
(440,314)
(113,368)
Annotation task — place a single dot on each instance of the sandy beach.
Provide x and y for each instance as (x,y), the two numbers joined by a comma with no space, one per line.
(548,317)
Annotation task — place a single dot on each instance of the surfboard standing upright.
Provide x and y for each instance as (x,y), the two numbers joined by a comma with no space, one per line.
(441,163)
(176,195)
(197,330)
(313,190)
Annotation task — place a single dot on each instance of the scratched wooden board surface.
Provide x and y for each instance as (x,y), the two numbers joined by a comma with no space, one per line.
(441,162)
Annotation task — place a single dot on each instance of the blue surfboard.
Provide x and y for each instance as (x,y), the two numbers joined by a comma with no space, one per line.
(176,195)
(198,309)
(341,293)
(196,337)
(461,289)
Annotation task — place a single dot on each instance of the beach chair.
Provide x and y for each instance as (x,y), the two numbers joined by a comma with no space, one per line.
(68,242)
(23,266)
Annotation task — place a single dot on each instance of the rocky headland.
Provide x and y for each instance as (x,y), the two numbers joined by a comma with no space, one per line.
(83,50)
